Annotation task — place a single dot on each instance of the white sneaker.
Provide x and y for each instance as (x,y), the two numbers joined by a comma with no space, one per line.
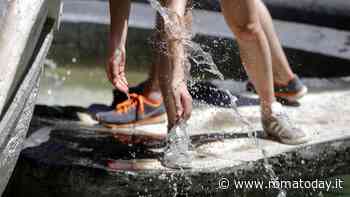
(280,127)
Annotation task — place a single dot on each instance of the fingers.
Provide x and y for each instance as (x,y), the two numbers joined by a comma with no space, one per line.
(116,72)
(118,80)
(109,73)
(183,104)
(178,106)
(120,83)
(123,78)
(187,106)
(121,86)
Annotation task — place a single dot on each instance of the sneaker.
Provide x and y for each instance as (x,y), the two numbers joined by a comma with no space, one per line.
(280,127)
(137,110)
(211,94)
(292,91)
(119,97)
(202,91)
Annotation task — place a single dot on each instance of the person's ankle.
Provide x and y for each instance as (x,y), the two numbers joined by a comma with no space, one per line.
(151,90)
(151,85)
(283,80)
(154,95)
(269,108)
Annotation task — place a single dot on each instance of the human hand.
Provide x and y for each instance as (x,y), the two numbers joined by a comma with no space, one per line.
(116,70)
(182,100)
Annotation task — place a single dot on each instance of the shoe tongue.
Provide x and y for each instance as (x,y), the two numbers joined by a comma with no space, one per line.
(278,111)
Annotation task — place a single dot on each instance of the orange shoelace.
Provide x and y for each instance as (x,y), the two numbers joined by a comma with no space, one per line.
(134,100)
(138,101)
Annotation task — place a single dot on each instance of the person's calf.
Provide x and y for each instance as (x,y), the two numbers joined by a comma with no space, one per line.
(248,32)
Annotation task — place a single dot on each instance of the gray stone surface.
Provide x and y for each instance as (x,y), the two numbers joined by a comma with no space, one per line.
(15,122)
(80,159)
(23,15)
(19,78)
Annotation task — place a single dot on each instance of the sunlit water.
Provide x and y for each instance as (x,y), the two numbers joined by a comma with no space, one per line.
(193,50)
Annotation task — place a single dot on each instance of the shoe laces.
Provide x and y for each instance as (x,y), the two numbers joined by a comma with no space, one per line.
(283,117)
(134,100)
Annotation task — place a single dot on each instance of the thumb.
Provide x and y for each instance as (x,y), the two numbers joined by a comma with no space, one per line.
(178,106)
(186,101)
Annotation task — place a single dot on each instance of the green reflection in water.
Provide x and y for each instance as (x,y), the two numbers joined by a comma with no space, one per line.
(82,83)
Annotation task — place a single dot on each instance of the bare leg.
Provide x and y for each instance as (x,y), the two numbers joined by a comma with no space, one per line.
(281,69)
(171,72)
(243,18)
(152,85)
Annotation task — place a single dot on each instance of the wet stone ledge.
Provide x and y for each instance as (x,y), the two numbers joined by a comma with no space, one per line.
(74,160)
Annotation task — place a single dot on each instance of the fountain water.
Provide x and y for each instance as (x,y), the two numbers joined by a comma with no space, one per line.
(177,154)
(252,134)
(178,151)
(192,49)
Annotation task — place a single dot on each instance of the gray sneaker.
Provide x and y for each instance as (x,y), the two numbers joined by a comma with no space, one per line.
(280,127)
(287,94)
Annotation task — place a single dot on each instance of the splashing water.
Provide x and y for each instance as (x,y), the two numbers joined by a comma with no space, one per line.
(201,58)
(252,134)
(177,152)
(193,50)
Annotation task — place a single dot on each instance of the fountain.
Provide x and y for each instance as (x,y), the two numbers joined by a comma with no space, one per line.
(66,155)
